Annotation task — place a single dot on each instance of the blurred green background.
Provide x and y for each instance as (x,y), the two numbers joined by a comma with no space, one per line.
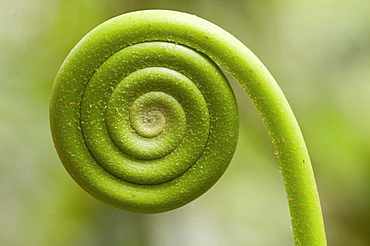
(318,51)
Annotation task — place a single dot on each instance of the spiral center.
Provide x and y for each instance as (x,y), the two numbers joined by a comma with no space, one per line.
(153,123)
(149,112)
(147,126)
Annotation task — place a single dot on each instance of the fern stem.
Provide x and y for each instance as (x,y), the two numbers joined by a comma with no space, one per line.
(144,120)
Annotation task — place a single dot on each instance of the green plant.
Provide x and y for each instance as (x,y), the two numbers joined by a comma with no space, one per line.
(144,120)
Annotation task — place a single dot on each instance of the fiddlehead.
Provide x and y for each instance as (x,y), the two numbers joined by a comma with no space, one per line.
(144,120)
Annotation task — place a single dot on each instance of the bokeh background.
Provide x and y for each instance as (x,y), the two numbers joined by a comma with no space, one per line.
(318,51)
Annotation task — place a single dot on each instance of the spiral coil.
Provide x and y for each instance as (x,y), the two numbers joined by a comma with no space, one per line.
(143,118)
(141,128)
